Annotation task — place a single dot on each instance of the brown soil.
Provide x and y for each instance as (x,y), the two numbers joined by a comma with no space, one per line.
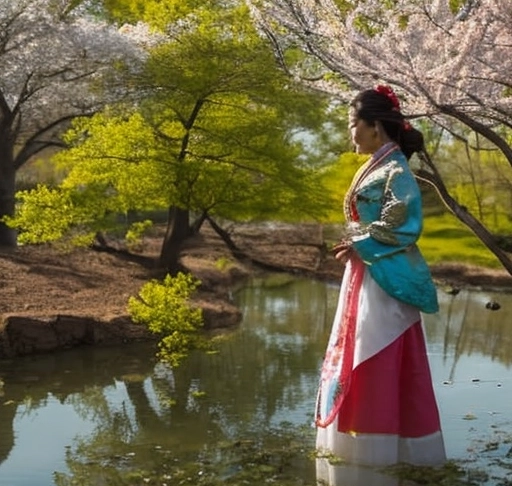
(82,294)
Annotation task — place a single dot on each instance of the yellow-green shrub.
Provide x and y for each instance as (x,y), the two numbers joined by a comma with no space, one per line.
(164,307)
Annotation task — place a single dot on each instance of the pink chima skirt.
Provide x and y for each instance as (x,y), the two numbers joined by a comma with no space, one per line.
(376,403)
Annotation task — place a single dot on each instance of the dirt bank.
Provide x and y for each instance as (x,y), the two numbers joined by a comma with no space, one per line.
(51,299)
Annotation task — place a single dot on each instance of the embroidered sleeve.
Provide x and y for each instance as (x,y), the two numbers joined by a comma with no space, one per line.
(393,214)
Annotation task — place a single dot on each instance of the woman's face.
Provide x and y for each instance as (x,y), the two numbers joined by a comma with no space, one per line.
(364,136)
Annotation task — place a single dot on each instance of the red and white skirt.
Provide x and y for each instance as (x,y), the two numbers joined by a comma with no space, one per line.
(376,403)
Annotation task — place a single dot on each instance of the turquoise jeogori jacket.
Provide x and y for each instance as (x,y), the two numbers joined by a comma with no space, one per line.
(387,202)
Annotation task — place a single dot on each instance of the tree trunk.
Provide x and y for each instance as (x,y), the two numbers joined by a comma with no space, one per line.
(198,223)
(178,230)
(235,251)
(7,193)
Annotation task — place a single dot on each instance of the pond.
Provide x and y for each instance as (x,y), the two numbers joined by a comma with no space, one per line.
(242,416)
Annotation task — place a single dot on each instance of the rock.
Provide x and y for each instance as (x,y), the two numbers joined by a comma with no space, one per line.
(24,335)
(493,305)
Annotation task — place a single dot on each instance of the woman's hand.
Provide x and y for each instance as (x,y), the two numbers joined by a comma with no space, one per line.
(342,251)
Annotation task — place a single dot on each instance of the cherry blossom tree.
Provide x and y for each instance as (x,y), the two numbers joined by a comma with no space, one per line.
(57,62)
(450,62)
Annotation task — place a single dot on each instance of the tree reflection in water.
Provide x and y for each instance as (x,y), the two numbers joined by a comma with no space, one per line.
(240,416)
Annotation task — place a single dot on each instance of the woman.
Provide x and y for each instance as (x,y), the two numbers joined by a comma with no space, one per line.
(376,404)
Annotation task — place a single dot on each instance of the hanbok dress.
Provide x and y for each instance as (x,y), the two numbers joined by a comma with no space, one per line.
(376,404)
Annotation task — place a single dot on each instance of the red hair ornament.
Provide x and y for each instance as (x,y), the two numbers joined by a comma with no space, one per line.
(390,94)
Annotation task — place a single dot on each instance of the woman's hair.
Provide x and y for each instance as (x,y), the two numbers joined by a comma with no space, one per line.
(381,104)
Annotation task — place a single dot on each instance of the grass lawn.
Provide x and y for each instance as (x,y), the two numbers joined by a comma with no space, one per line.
(446,239)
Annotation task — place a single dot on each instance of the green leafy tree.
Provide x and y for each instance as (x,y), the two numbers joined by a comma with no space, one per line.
(219,132)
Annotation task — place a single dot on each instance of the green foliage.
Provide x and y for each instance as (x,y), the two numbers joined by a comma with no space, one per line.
(372,25)
(164,307)
(109,172)
(159,13)
(48,215)
(367,26)
(336,180)
(403,21)
(479,179)
(507,92)
(118,152)
(135,233)
(344,6)
(220,128)
(38,171)
(238,114)
(223,263)
(455,5)
(56,205)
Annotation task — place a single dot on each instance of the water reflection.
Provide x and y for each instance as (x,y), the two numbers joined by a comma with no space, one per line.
(116,416)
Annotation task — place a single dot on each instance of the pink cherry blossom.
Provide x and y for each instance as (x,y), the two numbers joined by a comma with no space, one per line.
(443,65)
